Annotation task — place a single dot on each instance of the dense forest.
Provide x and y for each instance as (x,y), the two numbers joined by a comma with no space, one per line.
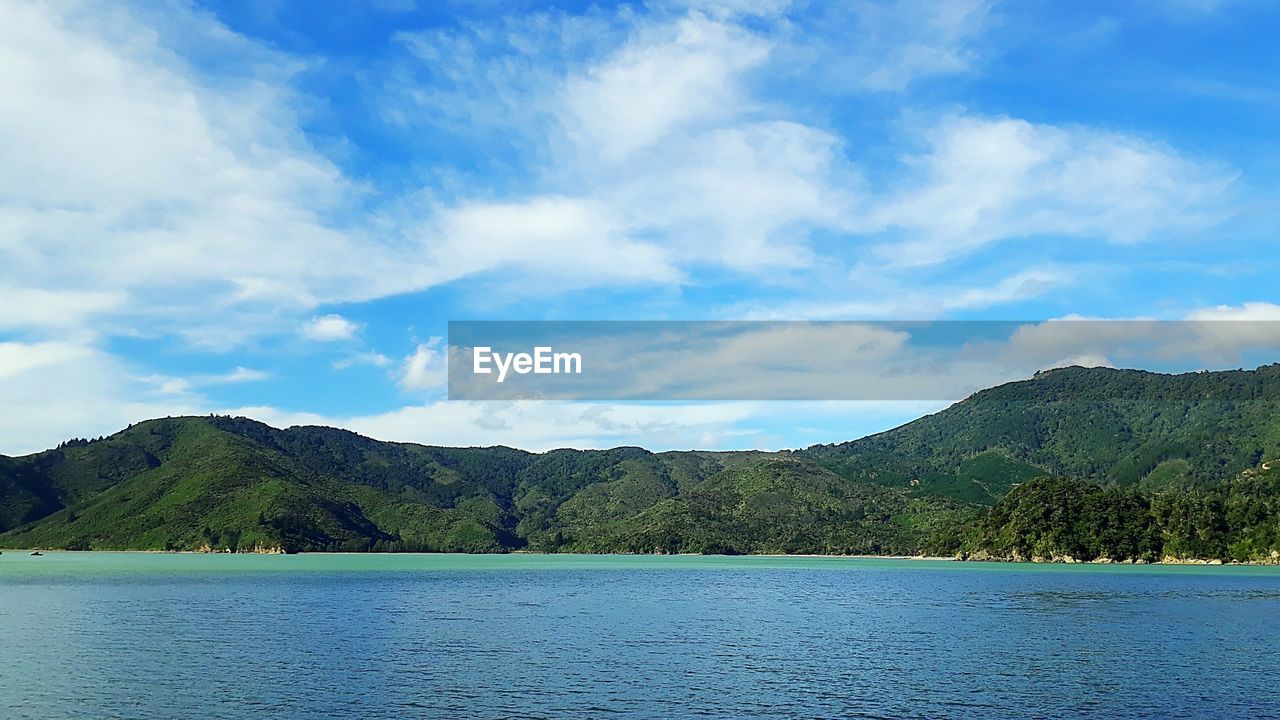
(1075,520)
(1085,464)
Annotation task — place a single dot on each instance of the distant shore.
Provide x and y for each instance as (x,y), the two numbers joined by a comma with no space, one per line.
(929,558)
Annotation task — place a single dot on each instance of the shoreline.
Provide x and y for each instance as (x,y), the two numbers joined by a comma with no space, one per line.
(1213,562)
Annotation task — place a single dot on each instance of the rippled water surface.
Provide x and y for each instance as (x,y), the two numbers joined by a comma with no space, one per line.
(105,635)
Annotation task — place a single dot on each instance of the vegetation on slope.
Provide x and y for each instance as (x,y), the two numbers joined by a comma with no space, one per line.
(772,505)
(1116,427)
(1157,465)
(1060,518)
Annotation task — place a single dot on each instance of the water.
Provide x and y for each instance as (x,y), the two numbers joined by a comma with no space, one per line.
(105,635)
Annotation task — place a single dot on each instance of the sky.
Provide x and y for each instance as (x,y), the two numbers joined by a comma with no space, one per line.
(273,209)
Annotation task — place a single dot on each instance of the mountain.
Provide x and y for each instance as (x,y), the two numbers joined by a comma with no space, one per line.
(963,479)
(1114,427)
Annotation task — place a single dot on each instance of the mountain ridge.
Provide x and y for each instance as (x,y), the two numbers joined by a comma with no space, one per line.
(221,482)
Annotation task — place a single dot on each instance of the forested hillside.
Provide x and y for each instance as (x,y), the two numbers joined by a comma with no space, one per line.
(1086,463)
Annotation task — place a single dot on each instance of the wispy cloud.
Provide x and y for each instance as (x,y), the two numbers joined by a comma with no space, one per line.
(374,359)
(171,385)
(902,298)
(988,180)
(140,176)
(667,78)
(885,46)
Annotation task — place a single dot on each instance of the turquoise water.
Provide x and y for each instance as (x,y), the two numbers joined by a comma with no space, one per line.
(106,635)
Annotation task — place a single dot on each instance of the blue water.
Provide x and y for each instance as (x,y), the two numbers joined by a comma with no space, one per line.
(103,635)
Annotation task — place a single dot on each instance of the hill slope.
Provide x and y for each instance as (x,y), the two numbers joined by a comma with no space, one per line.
(219,482)
(1122,427)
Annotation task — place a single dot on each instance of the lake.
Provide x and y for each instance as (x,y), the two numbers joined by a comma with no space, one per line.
(117,635)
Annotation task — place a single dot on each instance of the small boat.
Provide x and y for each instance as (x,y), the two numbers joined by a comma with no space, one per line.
(36,553)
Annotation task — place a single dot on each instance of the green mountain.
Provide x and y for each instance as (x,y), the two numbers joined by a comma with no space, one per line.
(1133,450)
(1114,427)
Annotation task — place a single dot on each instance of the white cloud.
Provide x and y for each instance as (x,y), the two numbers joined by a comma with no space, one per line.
(661,159)
(17,358)
(671,76)
(169,385)
(52,391)
(1226,330)
(425,368)
(137,181)
(885,46)
(186,386)
(545,426)
(1064,341)
(561,241)
(30,307)
(185,198)
(1022,285)
(744,196)
(667,148)
(1245,312)
(909,299)
(1205,338)
(988,180)
(946,45)
(238,375)
(329,328)
(539,426)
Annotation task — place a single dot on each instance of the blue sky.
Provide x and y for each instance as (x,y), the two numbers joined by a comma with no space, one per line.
(263,208)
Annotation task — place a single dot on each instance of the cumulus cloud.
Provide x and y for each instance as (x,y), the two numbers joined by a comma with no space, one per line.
(425,369)
(1205,338)
(1227,331)
(1250,311)
(329,328)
